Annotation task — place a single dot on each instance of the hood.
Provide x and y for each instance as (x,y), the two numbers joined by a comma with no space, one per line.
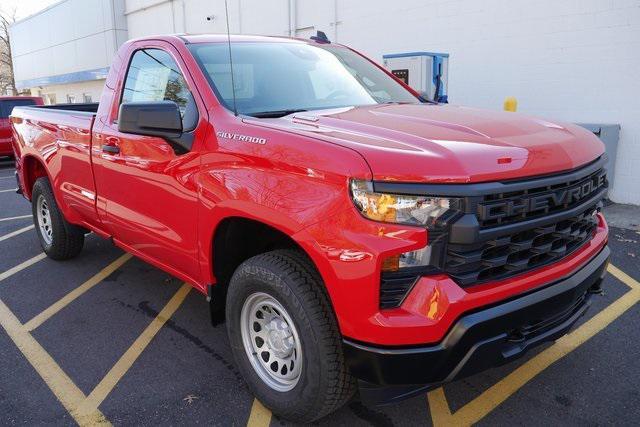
(445,143)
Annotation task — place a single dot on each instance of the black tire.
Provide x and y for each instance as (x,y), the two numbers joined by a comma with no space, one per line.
(67,239)
(325,383)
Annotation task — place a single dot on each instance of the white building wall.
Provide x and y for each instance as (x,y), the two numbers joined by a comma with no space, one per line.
(71,41)
(570,60)
(147,17)
(575,61)
(87,91)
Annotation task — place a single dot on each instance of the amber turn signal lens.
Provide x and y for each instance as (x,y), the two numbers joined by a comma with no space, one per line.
(397,208)
(391,264)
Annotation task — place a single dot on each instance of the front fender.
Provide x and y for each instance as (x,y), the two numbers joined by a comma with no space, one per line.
(288,183)
(284,202)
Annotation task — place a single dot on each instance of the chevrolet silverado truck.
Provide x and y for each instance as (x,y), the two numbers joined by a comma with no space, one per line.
(7,103)
(353,236)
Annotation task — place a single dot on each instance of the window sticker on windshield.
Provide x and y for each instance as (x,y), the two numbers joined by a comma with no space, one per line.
(243,79)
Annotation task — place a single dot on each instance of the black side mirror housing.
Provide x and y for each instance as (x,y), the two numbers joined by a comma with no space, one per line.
(161,119)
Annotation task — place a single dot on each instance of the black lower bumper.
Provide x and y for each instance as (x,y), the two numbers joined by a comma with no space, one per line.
(477,341)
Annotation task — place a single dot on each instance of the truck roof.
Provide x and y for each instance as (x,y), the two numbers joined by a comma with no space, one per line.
(222,38)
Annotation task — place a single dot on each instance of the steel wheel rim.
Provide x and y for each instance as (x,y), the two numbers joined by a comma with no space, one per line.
(271,341)
(43,215)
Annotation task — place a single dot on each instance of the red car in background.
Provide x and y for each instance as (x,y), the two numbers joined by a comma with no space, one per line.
(6,106)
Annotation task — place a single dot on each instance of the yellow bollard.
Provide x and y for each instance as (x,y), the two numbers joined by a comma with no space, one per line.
(510,104)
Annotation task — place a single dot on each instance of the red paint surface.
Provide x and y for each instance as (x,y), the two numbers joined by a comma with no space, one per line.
(165,208)
(6,139)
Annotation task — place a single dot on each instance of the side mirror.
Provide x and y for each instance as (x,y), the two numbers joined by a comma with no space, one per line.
(161,119)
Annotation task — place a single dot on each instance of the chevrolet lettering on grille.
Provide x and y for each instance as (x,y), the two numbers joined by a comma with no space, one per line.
(540,202)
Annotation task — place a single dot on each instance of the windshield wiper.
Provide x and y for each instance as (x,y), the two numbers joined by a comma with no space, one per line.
(275,113)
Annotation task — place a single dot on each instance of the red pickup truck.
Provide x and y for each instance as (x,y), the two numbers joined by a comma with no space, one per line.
(7,103)
(353,235)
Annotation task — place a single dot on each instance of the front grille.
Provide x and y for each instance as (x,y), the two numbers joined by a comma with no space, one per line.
(509,255)
(506,208)
(504,229)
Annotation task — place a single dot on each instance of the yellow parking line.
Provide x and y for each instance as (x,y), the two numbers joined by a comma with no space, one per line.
(439,407)
(97,396)
(22,266)
(77,292)
(260,416)
(15,233)
(623,277)
(56,379)
(15,217)
(481,406)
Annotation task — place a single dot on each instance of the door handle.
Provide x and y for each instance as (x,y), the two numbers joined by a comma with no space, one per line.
(111,145)
(112,149)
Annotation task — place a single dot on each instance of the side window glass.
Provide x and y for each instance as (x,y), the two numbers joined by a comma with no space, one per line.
(154,76)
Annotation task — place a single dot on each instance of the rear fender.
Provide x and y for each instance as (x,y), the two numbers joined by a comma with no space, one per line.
(29,169)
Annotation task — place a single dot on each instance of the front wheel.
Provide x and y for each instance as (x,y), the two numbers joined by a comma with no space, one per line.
(285,338)
(59,239)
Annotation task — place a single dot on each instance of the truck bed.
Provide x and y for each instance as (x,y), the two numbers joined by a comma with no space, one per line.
(77,108)
(61,135)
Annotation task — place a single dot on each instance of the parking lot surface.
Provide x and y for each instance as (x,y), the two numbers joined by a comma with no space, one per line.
(106,338)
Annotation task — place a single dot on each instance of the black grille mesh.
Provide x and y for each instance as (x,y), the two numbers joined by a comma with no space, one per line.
(517,253)
(394,287)
(494,200)
(494,210)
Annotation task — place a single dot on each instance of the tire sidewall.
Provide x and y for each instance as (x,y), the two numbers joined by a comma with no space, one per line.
(66,239)
(252,279)
(40,190)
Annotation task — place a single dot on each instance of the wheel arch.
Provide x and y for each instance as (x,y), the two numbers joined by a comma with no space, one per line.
(32,168)
(237,238)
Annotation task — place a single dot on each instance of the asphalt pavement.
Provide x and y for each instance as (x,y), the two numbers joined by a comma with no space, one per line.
(110,336)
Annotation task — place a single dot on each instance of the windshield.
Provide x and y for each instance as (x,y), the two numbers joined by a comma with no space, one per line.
(282,78)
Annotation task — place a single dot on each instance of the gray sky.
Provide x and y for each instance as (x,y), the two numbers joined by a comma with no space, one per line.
(24,8)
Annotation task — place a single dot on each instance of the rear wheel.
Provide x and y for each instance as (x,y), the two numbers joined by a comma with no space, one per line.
(285,338)
(59,239)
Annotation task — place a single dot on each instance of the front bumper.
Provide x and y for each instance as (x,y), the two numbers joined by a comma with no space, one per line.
(478,340)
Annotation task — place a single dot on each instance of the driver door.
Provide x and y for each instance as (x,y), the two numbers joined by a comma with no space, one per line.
(146,188)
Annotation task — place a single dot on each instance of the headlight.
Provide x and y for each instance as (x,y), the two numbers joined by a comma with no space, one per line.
(397,208)
(426,211)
